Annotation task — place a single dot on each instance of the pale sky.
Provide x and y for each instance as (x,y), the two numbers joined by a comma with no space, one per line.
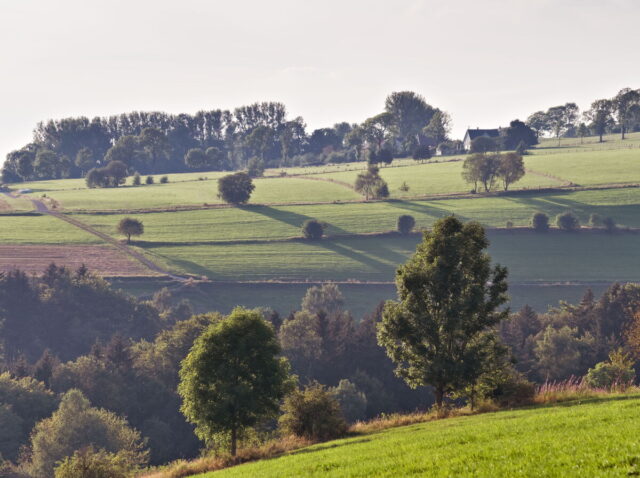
(486,62)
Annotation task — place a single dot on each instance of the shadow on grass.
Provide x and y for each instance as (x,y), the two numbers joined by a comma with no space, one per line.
(330,446)
(288,217)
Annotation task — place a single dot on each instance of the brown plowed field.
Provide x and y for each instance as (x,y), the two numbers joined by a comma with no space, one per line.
(104,260)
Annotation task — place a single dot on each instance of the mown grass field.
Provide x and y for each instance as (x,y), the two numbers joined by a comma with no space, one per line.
(15,229)
(435,178)
(530,257)
(268,190)
(595,438)
(252,223)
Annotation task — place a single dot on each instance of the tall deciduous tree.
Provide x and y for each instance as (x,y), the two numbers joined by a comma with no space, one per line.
(233,378)
(626,105)
(410,113)
(539,122)
(600,116)
(129,226)
(511,168)
(438,332)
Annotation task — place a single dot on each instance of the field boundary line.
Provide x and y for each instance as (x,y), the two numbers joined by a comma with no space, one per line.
(42,208)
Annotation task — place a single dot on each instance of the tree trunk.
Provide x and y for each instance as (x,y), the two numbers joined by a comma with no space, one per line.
(234,441)
(128,238)
(600,137)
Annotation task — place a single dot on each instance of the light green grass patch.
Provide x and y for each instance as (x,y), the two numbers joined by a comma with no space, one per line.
(41,230)
(590,168)
(435,178)
(595,439)
(268,190)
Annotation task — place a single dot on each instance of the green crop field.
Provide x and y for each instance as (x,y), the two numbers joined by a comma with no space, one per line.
(596,438)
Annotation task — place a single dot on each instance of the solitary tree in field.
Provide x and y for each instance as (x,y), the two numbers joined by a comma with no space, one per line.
(438,333)
(233,377)
(235,188)
(313,229)
(406,224)
(130,227)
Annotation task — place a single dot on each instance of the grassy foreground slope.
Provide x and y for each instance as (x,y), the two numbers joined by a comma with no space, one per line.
(595,438)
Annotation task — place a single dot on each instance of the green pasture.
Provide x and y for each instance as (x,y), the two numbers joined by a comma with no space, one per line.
(252,223)
(435,178)
(268,190)
(590,143)
(530,257)
(15,204)
(16,229)
(595,438)
(590,167)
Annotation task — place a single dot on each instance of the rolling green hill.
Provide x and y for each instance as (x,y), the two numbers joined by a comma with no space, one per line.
(595,438)
(188,230)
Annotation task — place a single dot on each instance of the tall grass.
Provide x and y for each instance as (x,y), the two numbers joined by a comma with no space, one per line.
(576,388)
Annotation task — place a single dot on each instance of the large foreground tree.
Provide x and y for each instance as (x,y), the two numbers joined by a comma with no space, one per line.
(233,377)
(439,331)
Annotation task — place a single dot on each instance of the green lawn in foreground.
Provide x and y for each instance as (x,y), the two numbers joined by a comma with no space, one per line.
(271,190)
(41,230)
(530,257)
(278,222)
(593,439)
(435,178)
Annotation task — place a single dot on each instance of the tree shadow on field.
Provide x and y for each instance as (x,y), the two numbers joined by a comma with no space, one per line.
(288,217)
(422,208)
(329,446)
(366,257)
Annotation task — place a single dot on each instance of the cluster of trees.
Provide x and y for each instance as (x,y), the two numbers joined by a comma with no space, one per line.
(570,340)
(156,142)
(489,169)
(619,114)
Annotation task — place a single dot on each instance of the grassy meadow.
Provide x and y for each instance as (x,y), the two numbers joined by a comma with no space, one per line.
(16,229)
(595,438)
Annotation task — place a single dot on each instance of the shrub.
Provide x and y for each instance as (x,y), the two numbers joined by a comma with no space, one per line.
(381,190)
(617,371)
(595,220)
(313,229)
(540,222)
(235,188)
(136,179)
(404,187)
(312,413)
(609,224)
(89,463)
(422,152)
(353,403)
(149,180)
(406,224)
(509,224)
(164,179)
(568,221)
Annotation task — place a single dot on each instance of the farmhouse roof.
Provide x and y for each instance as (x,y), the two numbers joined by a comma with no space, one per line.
(475,133)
